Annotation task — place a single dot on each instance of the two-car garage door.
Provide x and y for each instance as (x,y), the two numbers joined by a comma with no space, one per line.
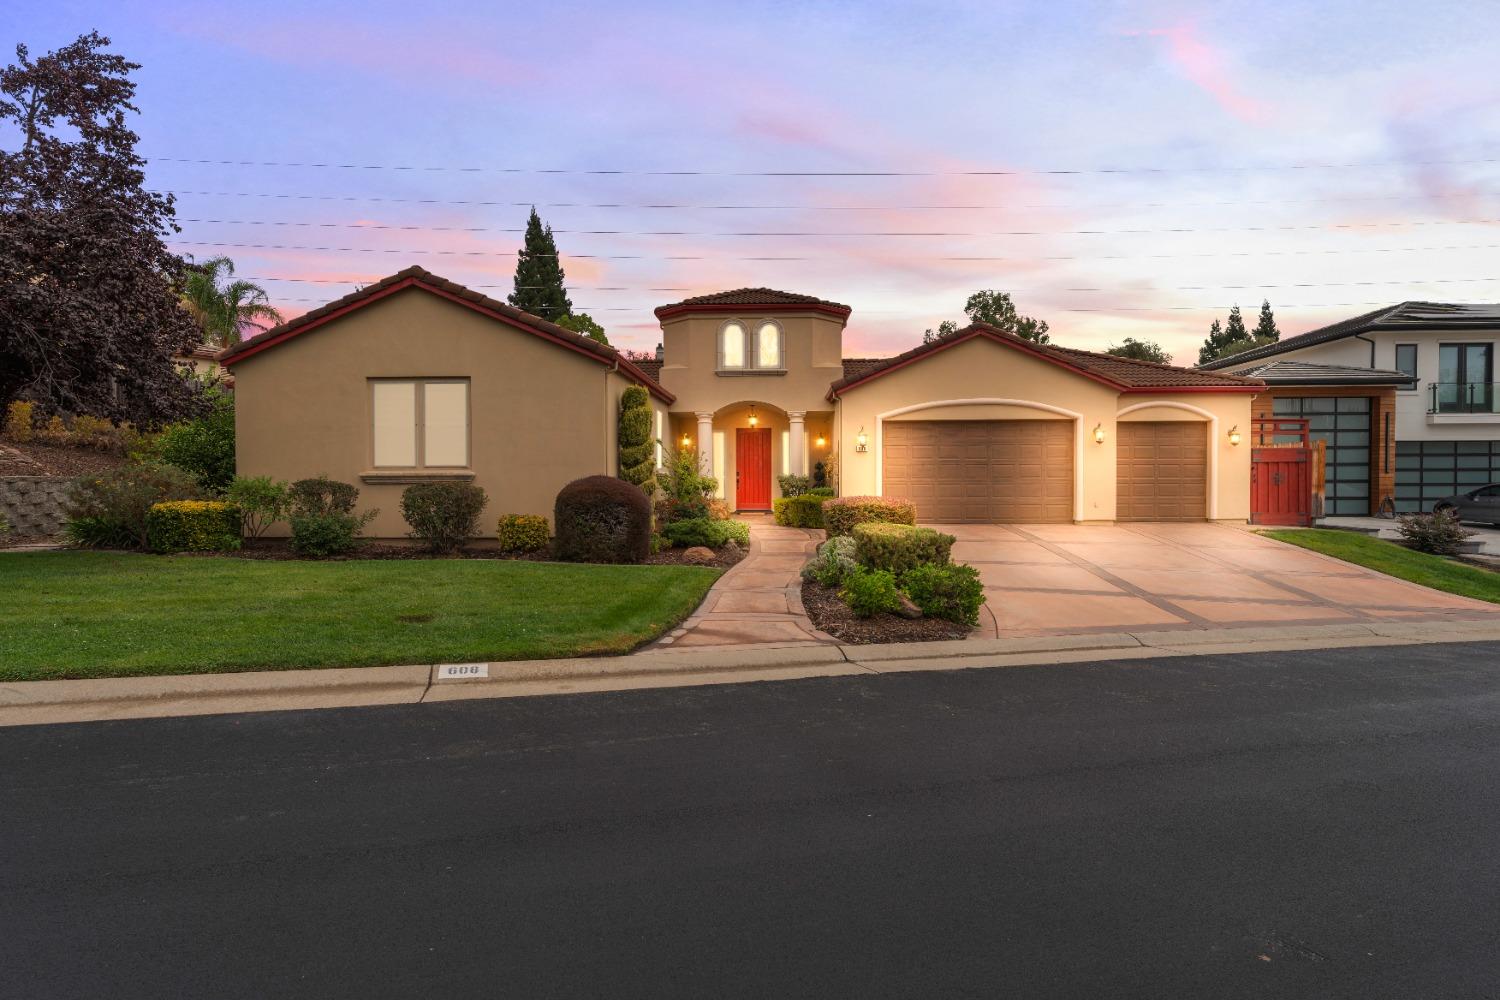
(981,470)
(1022,470)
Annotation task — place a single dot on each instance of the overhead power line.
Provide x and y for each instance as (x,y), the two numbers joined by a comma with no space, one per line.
(573,171)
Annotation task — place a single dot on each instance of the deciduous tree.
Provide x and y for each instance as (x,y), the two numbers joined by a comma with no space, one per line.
(1141,350)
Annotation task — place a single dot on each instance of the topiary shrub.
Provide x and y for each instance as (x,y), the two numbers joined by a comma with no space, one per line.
(706,531)
(793,485)
(1438,533)
(193,526)
(954,593)
(262,502)
(18,418)
(109,510)
(636,446)
(803,511)
(444,515)
(522,533)
(841,514)
(870,592)
(834,561)
(602,519)
(322,495)
(203,446)
(900,548)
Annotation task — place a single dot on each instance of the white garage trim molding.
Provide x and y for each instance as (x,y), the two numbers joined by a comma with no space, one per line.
(1213,444)
(1077,418)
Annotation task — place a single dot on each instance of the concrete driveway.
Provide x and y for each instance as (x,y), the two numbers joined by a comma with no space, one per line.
(1054,578)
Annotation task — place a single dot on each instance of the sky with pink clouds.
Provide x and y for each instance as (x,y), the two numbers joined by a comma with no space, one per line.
(1123,169)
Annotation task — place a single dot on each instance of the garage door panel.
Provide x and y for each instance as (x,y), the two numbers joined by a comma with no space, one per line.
(982,471)
(1162,471)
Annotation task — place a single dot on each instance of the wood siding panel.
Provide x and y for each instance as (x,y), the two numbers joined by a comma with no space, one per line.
(986,471)
(1162,471)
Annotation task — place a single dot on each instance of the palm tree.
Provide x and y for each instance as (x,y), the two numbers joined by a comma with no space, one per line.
(225,309)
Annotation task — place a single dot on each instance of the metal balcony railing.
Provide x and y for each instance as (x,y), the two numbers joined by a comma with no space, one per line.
(1463,397)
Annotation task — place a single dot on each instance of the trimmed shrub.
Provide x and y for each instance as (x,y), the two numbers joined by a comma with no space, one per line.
(110,509)
(900,548)
(262,502)
(193,526)
(793,485)
(602,519)
(322,496)
(328,534)
(17,425)
(636,460)
(821,491)
(841,514)
(834,561)
(522,533)
(820,477)
(203,446)
(444,515)
(804,511)
(707,532)
(870,592)
(54,431)
(1438,533)
(950,592)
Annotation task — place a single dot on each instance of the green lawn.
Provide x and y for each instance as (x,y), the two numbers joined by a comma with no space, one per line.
(1398,561)
(104,614)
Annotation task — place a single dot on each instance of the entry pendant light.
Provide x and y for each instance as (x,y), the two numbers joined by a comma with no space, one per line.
(754,420)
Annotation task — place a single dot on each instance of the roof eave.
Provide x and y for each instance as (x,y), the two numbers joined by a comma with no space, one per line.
(751,308)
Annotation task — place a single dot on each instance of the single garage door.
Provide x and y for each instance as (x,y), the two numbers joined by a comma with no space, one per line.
(981,470)
(1162,471)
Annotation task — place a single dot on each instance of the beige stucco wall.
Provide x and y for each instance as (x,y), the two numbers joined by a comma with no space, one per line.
(984,372)
(812,353)
(540,415)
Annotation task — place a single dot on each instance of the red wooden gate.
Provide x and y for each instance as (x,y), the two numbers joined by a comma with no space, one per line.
(1281,487)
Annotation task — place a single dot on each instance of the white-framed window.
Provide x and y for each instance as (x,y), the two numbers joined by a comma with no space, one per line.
(419,423)
(743,348)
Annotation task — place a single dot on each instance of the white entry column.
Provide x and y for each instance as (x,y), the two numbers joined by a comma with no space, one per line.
(798,457)
(706,444)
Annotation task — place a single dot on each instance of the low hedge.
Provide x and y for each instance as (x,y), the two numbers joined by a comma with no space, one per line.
(703,531)
(950,592)
(601,519)
(522,533)
(900,547)
(841,514)
(802,511)
(193,526)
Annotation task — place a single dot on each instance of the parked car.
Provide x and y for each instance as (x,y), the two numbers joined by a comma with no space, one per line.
(1480,504)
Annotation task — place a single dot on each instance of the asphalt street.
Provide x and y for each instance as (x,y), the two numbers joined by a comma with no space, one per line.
(1319,824)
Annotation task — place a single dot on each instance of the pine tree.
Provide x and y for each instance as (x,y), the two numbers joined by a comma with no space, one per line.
(1234,330)
(539,274)
(1265,327)
(1213,346)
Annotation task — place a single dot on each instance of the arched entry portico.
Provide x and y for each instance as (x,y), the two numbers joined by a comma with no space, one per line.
(746,459)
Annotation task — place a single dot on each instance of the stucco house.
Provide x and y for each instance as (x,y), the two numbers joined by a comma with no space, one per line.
(416,378)
(1416,415)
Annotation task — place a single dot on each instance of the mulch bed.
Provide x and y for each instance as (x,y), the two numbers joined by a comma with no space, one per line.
(279,548)
(830,614)
(33,459)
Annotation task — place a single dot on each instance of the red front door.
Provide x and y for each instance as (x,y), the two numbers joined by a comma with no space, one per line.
(752,464)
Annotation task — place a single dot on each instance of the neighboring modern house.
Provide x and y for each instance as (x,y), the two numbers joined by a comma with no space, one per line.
(416,378)
(1430,366)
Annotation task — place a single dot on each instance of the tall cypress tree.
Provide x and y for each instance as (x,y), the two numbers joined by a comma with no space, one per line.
(1213,346)
(1234,330)
(1265,327)
(539,274)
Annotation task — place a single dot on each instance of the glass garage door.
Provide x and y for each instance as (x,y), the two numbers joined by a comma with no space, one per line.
(1427,471)
(1343,424)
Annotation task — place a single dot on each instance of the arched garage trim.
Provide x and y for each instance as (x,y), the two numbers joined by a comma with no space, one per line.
(1213,443)
(1076,417)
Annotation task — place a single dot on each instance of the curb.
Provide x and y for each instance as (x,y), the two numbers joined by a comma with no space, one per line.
(42,702)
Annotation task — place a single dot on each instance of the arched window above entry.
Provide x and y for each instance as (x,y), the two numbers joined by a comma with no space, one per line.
(732,345)
(768,345)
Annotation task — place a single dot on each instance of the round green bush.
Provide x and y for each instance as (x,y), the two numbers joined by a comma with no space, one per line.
(602,519)
(707,532)
(522,533)
(444,515)
(870,592)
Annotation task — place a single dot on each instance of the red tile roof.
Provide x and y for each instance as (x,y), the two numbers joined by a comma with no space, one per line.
(1125,374)
(416,277)
(730,301)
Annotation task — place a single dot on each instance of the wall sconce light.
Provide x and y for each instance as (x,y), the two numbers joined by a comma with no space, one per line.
(821,441)
(687,442)
(1234,435)
(861,442)
(1098,433)
(753,418)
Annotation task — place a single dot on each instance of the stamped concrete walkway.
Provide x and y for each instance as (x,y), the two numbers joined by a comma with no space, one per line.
(1051,579)
(758,602)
